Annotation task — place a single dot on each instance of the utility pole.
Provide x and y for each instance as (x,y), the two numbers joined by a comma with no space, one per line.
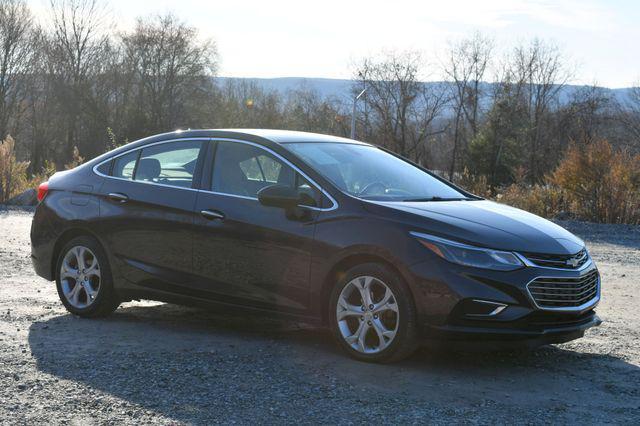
(353,114)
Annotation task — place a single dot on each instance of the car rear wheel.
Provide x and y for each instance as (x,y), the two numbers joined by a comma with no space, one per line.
(83,279)
(372,314)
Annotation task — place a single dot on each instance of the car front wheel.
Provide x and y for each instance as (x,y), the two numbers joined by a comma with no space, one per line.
(372,314)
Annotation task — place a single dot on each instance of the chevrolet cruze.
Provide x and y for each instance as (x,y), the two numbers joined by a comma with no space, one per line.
(343,233)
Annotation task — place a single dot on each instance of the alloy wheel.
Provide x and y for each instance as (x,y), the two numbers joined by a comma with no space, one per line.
(80,277)
(367,314)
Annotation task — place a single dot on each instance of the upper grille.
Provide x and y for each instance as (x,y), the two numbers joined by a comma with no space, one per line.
(564,292)
(568,261)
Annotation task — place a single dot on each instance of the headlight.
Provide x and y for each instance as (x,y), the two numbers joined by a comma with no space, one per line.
(467,255)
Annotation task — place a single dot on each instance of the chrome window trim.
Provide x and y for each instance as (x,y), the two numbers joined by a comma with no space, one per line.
(95,168)
(590,304)
(244,197)
(334,205)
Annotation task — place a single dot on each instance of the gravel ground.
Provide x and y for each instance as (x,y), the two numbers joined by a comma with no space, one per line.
(160,363)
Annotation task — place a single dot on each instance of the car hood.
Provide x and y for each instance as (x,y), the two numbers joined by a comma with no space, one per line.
(488,224)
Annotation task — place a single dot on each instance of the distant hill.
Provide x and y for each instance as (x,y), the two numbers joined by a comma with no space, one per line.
(341,88)
(325,87)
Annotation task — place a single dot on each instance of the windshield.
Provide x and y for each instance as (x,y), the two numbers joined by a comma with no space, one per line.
(370,173)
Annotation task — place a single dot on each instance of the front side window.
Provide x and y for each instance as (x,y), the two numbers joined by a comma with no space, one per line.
(243,169)
(261,168)
(370,173)
(172,163)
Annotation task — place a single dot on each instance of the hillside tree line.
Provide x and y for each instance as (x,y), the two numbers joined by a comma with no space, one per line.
(73,87)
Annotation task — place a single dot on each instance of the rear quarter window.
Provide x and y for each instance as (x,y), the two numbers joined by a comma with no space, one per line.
(104,168)
(124,166)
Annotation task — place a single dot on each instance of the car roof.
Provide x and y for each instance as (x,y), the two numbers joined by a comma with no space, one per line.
(289,136)
(261,136)
(273,135)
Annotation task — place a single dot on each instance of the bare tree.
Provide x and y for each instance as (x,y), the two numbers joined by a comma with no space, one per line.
(169,68)
(42,115)
(628,112)
(75,50)
(466,66)
(392,88)
(401,107)
(432,101)
(587,115)
(539,74)
(304,108)
(16,25)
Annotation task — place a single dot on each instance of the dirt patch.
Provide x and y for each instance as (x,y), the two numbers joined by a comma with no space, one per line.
(159,363)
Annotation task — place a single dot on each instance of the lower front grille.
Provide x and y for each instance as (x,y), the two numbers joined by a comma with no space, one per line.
(559,319)
(558,293)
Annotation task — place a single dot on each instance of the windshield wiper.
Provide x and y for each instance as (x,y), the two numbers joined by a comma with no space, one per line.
(435,199)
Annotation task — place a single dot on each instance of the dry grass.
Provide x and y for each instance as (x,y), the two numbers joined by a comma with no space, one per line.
(593,182)
(600,184)
(14,176)
(13,173)
(543,200)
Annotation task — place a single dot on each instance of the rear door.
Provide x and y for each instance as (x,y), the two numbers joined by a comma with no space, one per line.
(147,211)
(256,255)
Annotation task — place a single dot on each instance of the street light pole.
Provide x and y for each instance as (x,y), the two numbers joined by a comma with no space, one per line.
(353,114)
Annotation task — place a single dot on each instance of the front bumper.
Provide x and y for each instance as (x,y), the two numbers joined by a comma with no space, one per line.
(525,333)
(446,295)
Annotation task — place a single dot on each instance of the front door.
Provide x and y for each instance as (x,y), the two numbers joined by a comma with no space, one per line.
(261,255)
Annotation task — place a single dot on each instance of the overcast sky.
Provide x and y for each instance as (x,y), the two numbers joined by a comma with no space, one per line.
(272,38)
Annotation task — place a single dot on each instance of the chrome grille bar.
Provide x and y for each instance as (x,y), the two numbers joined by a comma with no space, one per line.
(574,261)
(558,293)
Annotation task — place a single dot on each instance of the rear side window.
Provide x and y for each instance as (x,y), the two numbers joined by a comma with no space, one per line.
(124,166)
(172,163)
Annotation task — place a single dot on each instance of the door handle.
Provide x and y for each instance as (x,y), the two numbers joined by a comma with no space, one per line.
(118,197)
(212,214)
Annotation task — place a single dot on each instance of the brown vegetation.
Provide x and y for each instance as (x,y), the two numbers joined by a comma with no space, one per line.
(599,183)
(593,182)
(13,177)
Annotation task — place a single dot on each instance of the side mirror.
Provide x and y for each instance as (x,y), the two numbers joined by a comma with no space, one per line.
(281,196)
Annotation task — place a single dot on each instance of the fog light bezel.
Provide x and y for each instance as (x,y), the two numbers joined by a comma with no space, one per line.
(498,308)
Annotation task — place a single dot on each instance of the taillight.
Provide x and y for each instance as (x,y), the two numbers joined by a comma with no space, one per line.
(42,190)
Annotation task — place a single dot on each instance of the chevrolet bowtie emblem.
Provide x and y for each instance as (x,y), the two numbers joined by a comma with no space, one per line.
(573,262)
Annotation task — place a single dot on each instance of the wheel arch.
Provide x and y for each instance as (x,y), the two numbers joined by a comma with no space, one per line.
(64,238)
(349,261)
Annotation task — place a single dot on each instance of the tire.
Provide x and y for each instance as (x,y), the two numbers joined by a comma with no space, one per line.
(390,334)
(91,295)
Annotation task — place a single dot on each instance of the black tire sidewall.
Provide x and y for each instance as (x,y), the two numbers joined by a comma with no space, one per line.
(407,316)
(105,293)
